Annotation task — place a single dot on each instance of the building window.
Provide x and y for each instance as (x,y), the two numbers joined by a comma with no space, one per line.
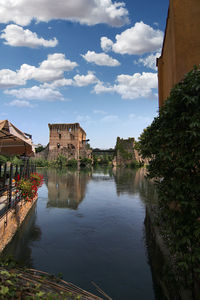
(59,135)
(58,145)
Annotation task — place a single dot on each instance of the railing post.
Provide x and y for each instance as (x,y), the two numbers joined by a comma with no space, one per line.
(0,170)
(4,175)
(28,169)
(16,170)
(21,170)
(10,186)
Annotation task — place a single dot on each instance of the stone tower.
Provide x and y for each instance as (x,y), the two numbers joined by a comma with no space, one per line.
(68,140)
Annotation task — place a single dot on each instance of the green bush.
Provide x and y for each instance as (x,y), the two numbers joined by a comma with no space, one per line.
(61,161)
(135,164)
(3,159)
(16,161)
(172,144)
(72,162)
(85,161)
(40,162)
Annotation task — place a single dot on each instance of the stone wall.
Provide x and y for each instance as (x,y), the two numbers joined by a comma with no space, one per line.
(11,222)
(68,140)
(181,47)
(125,152)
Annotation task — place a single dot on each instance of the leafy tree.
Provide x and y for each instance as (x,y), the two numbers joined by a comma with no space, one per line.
(39,149)
(172,145)
(3,159)
(72,162)
(16,161)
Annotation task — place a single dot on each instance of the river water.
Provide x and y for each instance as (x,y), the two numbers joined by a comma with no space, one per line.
(89,226)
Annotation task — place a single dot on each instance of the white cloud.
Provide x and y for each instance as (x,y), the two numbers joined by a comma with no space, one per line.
(84,80)
(49,70)
(59,83)
(36,93)
(100,59)
(16,36)
(20,103)
(106,44)
(88,12)
(149,61)
(131,86)
(100,87)
(9,78)
(137,40)
(78,80)
(110,119)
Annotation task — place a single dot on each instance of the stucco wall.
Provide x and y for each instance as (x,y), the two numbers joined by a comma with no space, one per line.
(181,47)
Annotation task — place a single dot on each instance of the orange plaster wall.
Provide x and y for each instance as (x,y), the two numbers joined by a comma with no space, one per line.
(181,48)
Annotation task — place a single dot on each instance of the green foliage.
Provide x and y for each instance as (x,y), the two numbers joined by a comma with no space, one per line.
(125,148)
(16,161)
(39,149)
(72,162)
(3,159)
(61,161)
(18,283)
(135,164)
(40,162)
(172,144)
(85,161)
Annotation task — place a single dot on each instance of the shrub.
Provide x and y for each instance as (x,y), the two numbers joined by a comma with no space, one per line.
(85,161)
(172,144)
(16,161)
(61,161)
(40,162)
(72,162)
(3,159)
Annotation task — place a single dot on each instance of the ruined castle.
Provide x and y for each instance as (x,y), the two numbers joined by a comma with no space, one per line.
(68,140)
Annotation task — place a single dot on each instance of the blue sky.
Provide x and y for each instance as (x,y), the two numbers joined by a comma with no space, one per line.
(86,61)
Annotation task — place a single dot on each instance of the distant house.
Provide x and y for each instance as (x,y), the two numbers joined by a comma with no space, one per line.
(181,46)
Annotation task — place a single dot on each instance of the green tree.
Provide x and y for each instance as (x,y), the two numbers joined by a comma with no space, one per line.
(3,159)
(172,145)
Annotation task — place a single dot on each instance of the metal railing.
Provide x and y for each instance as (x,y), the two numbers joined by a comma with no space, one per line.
(8,173)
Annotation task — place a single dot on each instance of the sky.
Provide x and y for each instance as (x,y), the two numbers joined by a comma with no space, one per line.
(85,61)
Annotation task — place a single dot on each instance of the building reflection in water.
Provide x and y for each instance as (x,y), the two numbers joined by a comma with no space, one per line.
(129,181)
(66,189)
(20,248)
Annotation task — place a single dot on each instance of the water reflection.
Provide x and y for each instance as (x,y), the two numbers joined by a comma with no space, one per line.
(101,240)
(129,181)
(20,247)
(66,189)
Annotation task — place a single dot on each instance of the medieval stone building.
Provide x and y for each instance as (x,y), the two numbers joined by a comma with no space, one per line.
(181,46)
(126,152)
(68,140)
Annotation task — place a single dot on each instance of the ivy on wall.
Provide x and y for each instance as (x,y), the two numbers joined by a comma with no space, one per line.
(172,145)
